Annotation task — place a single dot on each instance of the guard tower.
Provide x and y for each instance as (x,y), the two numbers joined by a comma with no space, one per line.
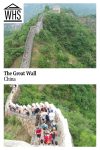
(56,9)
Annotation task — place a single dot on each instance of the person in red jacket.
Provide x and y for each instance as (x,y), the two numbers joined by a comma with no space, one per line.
(48,138)
(38,132)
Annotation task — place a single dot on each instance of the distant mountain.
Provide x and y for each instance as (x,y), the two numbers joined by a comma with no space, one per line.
(8,28)
(82,9)
(31,10)
(12,25)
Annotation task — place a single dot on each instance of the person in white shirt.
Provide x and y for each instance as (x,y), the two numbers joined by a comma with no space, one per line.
(52,116)
(43,115)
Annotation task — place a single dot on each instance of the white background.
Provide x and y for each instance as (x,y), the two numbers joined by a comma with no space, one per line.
(52,76)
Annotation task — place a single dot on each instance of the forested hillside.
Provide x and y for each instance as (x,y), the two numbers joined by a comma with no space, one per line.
(14,130)
(15,42)
(76,102)
(89,21)
(64,42)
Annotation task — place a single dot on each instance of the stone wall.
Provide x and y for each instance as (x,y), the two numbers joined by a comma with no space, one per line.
(15,143)
(63,128)
(29,43)
(12,97)
(28,122)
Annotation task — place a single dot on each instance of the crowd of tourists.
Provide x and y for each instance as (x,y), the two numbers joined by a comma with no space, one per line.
(45,124)
(34,109)
(47,135)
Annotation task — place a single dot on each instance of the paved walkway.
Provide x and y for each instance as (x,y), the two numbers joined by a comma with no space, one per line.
(29,43)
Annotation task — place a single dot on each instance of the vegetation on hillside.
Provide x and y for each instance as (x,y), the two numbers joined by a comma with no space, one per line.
(64,42)
(13,130)
(15,42)
(89,21)
(64,35)
(76,102)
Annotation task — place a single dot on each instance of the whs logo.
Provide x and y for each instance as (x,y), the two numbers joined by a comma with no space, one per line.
(12,13)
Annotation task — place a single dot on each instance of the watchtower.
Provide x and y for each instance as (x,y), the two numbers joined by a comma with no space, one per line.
(56,9)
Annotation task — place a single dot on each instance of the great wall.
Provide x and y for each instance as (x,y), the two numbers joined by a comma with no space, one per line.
(30,41)
(28,122)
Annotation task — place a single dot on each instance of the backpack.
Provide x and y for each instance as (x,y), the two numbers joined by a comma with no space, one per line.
(47,118)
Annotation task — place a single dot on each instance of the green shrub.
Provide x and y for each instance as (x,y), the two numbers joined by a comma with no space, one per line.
(44,62)
(72,35)
(89,139)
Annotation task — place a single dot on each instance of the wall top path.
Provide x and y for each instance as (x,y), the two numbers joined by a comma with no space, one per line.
(29,43)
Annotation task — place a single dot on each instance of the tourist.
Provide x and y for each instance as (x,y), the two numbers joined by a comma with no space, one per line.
(54,134)
(52,116)
(54,125)
(44,126)
(37,109)
(38,132)
(12,107)
(21,109)
(17,109)
(47,120)
(48,138)
(42,137)
(43,115)
(29,108)
(26,112)
(38,118)
(33,110)
(43,109)
(41,106)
